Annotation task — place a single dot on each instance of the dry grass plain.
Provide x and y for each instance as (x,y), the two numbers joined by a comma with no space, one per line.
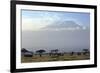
(47,58)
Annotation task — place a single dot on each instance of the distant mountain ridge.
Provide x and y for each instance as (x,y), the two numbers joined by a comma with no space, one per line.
(64,25)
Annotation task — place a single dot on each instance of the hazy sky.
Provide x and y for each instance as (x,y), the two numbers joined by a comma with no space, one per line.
(67,31)
(34,20)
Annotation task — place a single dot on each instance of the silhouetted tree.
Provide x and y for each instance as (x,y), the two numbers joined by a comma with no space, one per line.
(78,53)
(24,50)
(72,53)
(85,51)
(40,52)
(54,52)
(26,53)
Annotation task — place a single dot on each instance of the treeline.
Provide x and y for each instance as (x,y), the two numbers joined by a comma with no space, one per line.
(53,53)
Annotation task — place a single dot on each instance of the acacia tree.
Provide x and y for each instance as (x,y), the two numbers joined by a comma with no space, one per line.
(26,53)
(72,53)
(40,52)
(54,53)
(85,51)
(24,50)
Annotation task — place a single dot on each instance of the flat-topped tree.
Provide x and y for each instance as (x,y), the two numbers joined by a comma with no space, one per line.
(40,52)
(86,51)
(54,52)
(24,50)
(72,53)
(26,53)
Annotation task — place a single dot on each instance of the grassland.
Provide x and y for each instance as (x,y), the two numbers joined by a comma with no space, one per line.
(47,58)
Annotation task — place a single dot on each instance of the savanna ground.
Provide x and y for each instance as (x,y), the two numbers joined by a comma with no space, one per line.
(47,58)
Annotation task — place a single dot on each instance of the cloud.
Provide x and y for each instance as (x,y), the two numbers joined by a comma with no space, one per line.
(64,25)
(33,24)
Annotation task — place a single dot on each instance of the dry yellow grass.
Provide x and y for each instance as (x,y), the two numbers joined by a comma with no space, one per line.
(46,58)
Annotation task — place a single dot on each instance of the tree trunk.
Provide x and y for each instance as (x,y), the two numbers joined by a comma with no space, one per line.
(40,55)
